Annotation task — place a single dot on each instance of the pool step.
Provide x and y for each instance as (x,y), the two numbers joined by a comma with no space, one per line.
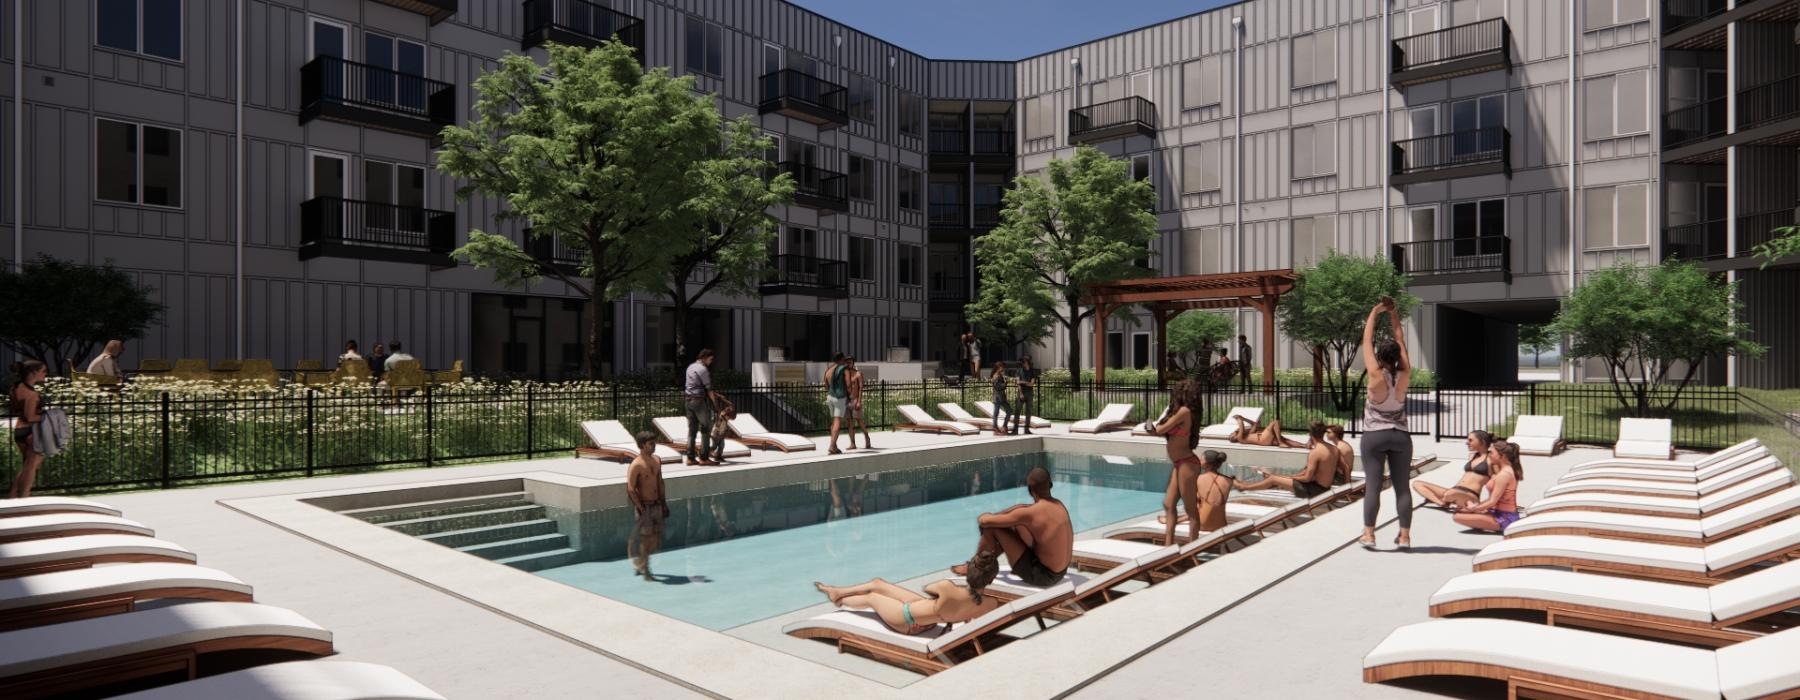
(502,515)
(515,548)
(538,561)
(448,506)
(489,534)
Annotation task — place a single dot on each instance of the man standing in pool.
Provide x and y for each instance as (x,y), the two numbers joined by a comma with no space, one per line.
(644,488)
(1036,537)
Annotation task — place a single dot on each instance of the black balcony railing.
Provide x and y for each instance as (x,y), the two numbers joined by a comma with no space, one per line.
(949,214)
(816,187)
(1113,119)
(1483,45)
(1756,229)
(1703,240)
(553,250)
(994,142)
(987,215)
(948,287)
(437,10)
(1471,258)
(802,96)
(374,96)
(580,23)
(337,227)
(1693,123)
(1474,151)
(1769,102)
(805,274)
(950,141)
(1681,13)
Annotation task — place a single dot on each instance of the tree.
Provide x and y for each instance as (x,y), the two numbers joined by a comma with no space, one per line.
(1192,338)
(1786,243)
(593,152)
(730,209)
(1089,221)
(1647,324)
(1327,308)
(1537,338)
(61,311)
(1007,317)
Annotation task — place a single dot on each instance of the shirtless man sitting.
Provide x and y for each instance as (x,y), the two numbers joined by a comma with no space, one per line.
(907,612)
(1036,537)
(1321,469)
(1346,454)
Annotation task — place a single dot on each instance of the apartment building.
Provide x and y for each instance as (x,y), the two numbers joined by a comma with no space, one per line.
(270,173)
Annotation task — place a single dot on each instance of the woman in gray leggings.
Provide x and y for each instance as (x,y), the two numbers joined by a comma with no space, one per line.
(1386,444)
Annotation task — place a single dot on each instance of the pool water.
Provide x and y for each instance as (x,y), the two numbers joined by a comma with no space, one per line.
(736,558)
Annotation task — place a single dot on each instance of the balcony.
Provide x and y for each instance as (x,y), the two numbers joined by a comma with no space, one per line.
(949,215)
(791,93)
(1454,51)
(806,275)
(1455,260)
(1465,153)
(1680,14)
(980,145)
(949,142)
(1694,123)
(1131,116)
(356,93)
(436,10)
(1756,229)
(579,23)
(987,215)
(552,251)
(1768,103)
(1704,240)
(333,227)
(947,293)
(1768,114)
(817,188)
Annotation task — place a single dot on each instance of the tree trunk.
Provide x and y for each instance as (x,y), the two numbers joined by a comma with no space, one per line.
(596,335)
(681,313)
(1075,354)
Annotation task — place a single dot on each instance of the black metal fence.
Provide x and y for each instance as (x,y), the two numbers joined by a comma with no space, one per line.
(583,18)
(1487,145)
(166,440)
(1451,44)
(1698,241)
(795,85)
(1771,101)
(352,221)
(332,79)
(1453,255)
(1694,122)
(1113,113)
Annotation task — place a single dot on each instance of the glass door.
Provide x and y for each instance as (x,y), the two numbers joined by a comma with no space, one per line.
(331,39)
(328,188)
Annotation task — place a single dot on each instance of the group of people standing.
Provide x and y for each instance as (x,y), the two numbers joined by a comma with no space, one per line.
(844,398)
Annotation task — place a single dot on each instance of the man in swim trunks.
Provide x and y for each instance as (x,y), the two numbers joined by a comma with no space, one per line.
(644,488)
(1321,468)
(1036,537)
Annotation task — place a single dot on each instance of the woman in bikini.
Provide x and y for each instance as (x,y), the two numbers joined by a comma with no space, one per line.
(1501,509)
(907,612)
(1179,436)
(27,405)
(1213,489)
(1467,490)
(1250,433)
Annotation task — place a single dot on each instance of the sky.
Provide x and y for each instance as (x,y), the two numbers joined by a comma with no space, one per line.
(1002,30)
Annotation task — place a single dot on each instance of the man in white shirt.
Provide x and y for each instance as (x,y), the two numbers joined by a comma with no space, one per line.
(108,361)
(395,357)
(350,352)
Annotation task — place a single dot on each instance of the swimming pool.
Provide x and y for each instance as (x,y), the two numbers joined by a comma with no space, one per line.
(736,558)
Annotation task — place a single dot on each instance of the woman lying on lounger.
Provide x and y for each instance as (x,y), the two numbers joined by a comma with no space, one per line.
(1250,433)
(1501,509)
(1467,490)
(907,612)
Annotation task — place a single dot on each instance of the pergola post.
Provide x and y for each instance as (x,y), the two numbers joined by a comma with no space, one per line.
(1162,346)
(1266,304)
(1100,313)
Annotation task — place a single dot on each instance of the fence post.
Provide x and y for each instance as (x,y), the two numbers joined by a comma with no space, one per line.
(615,401)
(1091,388)
(429,427)
(166,483)
(884,402)
(311,428)
(530,436)
(1437,413)
(1531,391)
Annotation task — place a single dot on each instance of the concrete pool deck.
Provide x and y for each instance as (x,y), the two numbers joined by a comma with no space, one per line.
(1249,612)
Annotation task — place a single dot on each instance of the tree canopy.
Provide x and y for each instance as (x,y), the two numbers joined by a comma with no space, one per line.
(1653,328)
(1087,221)
(61,312)
(1327,308)
(594,152)
(1786,243)
(1537,338)
(1192,337)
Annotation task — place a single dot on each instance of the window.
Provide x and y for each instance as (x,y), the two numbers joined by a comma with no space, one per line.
(705,46)
(862,178)
(911,187)
(1477,227)
(910,113)
(1138,85)
(1115,350)
(1140,166)
(1200,167)
(1140,350)
(862,98)
(137,164)
(1617,105)
(1423,223)
(1616,217)
(149,27)
(909,264)
(907,335)
(1203,251)
(1315,150)
(1313,237)
(1039,123)
(401,188)
(862,258)
(405,58)
(1315,58)
(1607,13)
(1470,122)
(1200,83)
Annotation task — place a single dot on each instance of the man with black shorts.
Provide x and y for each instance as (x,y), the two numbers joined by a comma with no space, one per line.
(1037,537)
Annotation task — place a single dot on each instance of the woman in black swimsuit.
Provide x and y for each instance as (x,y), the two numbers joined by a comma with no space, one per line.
(27,408)
(1468,488)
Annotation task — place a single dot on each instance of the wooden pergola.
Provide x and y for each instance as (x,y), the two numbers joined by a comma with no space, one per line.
(1168,296)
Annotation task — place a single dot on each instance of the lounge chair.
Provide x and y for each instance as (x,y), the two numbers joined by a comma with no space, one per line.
(298,680)
(956,413)
(1704,565)
(917,420)
(42,505)
(1645,438)
(61,596)
(1540,660)
(1723,614)
(1090,588)
(1774,506)
(674,434)
(1144,429)
(1152,531)
(32,527)
(1112,417)
(987,409)
(1538,435)
(612,441)
(1689,506)
(1678,475)
(1104,554)
(752,433)
(1649,487)
(191,638)
(1677,464)
(936,650)
(1222,431)
(82,551)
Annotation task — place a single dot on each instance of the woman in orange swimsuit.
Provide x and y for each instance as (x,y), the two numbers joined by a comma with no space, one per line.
(1177,431)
